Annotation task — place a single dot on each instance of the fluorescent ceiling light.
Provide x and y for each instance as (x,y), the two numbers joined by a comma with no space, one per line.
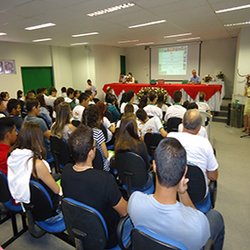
(148,43)
(178,35)
(232,9)
(236,24)
(41,40)
(75,44)
(188,39)
(2,34)
(40,26)
(129,41)
(146,24)
(111,9)
(86,34)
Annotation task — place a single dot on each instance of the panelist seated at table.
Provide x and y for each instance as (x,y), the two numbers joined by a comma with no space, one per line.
(195,78)
(130,78)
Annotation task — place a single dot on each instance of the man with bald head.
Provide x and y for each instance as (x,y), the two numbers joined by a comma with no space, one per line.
(195,78)
(199,150)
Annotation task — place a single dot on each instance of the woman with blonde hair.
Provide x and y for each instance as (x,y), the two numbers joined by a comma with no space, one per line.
(62,126)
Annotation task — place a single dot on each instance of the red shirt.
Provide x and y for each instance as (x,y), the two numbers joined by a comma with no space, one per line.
(4,150)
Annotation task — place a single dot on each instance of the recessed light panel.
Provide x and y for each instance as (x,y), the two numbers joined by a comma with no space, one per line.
(233,8)
(178,35)
(86,34)
(40,26)
(42,40)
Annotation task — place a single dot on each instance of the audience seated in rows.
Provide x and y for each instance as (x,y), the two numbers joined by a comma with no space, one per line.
(62,126)
(96,188)
(14,110)
(163,214)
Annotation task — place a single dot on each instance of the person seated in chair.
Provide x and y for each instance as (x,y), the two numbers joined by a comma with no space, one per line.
(152,109)
(14,110)
(176,110)
(195,78)
(26,162)
(95,188)
(199,150)
(8,137)
(78,109)
(163,214)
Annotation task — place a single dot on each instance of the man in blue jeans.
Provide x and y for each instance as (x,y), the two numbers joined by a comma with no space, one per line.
(162,214)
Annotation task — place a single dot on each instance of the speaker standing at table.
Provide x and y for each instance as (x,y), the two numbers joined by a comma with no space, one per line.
(247,106)
(195,78)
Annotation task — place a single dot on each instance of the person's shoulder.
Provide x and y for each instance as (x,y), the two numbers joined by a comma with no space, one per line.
(136,196)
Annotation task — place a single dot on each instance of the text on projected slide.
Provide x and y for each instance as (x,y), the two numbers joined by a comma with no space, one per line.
(173,60)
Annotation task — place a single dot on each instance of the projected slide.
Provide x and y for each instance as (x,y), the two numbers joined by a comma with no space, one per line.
(173,60)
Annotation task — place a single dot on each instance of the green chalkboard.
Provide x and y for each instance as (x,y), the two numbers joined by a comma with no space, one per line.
(37,77)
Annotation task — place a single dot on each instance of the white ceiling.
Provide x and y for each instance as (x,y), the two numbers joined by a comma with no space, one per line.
(70,17)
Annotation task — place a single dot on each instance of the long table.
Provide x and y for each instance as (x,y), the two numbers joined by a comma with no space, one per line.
(190,91)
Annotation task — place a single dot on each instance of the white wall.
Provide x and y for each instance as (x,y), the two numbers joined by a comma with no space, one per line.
(137,62)
(24,55)
(216,56)
(242,61)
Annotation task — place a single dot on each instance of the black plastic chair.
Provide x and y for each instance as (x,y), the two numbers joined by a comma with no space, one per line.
(172,124)
(144,239)
(60,151)
(11,209)
(133,173)
(41,215)
(88,228)
(197,189)
(152,140)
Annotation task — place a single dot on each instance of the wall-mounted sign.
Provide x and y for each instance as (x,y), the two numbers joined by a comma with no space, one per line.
(7,67)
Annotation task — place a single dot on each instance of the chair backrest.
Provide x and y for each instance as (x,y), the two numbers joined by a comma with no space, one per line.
(60,150)
(144,239)
(85,224)
(173,123)
(131,169)
(5,195)
(98,160)
(40,205)
(152,140)
(197,184)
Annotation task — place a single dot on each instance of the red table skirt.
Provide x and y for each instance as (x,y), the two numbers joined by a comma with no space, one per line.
(191,89)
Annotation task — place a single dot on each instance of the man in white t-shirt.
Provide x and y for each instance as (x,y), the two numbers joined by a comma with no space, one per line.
(175,110)
(78,110)
(199,150)
(163,215)
(151,109)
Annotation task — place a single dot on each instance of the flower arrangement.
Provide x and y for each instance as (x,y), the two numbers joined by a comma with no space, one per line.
(208,78)
(221,76)
(145,92)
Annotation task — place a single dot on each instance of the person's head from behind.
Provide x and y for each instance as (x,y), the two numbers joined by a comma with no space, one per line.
(63,114)
(130,96)
(152,97)
(89,93)
(89,82)
(81,144)
(170,162)
(194,73)
(77,94)
(14,107)
(8,133)
(129,108)
(53,91)
(128,128)
(141,115)
(84,99)
(177,96)
(192,121)
(2,105)
(63,90)
(5,95)
(111,99)
(40,98)
(90,116)
(31,95)
(161,98)
(102,107)
(202,96)
(70,93)
(31,137)
(33,107)
(19,94)
(185,104)
(57,101)
(192,105)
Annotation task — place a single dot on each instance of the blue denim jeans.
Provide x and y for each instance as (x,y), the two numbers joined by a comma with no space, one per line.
(217,228)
